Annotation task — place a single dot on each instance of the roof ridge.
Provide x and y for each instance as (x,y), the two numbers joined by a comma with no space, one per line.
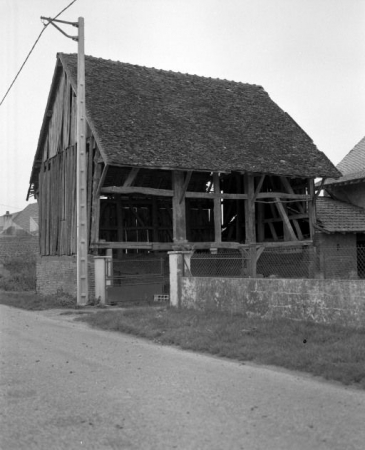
(225,80)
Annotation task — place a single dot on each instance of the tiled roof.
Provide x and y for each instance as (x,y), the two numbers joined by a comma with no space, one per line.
(334,216)
(352,166)
(154,118)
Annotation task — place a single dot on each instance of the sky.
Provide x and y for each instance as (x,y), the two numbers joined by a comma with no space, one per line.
(309,55)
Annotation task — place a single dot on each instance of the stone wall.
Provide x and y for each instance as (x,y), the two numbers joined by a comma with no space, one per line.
(55,273)
(324,301)
(13,247)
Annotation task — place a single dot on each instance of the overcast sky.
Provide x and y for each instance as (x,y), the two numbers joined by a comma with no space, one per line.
(309,55)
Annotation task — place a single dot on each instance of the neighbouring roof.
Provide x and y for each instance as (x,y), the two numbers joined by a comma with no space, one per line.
(334,216)
(22,218)
(155,118)
(352,166)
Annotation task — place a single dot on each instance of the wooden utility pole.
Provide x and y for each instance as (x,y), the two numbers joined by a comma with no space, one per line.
(81,170)
(81,201)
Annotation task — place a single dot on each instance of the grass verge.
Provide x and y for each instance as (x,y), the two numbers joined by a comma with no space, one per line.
(329,351)
(33,302)
(20,275)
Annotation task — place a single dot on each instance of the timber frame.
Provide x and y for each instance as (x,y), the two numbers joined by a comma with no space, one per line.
(135,205)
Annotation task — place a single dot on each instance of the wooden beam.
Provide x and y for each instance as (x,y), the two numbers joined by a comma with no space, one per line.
(102,178)
(217,209)
(169,193)
(319,188)
(283,195)
(273,232)
(178,208)
(120,220)
(239,209)
(196,245)
(154,212)
(259,186)
(131,177)
(137,190)
(249,209)
(285,182)
(291,217)
(285,219)
(250,222)
(186,184)
(215,195)
(260,222)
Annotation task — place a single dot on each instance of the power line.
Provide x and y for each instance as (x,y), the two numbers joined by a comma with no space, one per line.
(35,43)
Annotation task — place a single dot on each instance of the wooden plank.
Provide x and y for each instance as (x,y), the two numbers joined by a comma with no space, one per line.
(95,210)
(48,207)
(311,207)
(131,177)
(217,209)
(178,208)
(40,208)
(90,156)
(286,221)
(74,209)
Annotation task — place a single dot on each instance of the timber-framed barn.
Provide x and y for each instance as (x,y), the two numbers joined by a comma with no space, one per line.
(175,161)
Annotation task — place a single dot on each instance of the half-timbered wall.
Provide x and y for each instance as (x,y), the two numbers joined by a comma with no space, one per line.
(57,176)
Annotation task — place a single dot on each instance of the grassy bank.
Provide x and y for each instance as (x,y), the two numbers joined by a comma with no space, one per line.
(332,352)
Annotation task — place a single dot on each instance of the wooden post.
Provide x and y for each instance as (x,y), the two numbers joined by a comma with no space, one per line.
(81,196)
(120,224)
(250,222)
(260,222)
(217,210)
(178,207)
(311,207)
(239,210)
(154,211)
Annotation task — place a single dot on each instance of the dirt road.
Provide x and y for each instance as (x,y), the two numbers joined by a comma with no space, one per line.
(66,386)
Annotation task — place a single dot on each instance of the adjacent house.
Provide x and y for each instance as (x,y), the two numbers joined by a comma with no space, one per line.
(341,218)
(175,161)
(22,223)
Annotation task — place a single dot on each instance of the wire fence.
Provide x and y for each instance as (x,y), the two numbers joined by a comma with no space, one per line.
(330,262)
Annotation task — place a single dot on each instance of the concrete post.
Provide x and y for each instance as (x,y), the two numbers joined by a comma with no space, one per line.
(176,263)
(100,278)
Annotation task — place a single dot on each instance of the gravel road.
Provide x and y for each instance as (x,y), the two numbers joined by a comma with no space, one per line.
(64,385)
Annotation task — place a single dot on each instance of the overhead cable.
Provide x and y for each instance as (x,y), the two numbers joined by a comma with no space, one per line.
(35,43)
